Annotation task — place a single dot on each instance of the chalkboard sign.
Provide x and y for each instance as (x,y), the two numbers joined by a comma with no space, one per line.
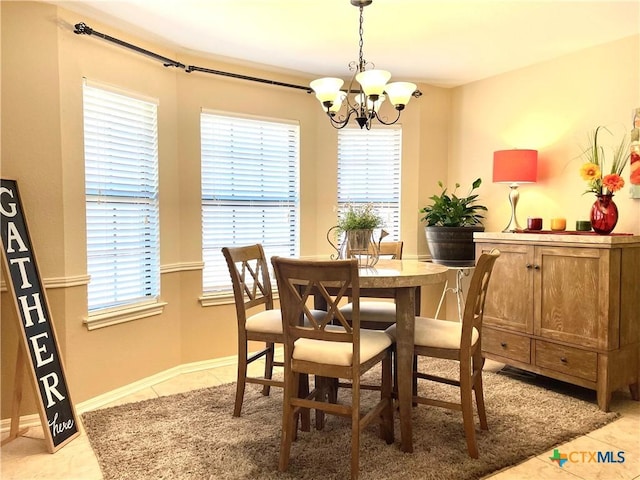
(57,412)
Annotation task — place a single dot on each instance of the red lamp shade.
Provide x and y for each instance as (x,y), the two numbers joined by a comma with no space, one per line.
(515,166)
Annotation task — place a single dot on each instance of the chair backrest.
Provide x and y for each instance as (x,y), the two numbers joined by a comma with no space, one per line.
(332,280)
(391,250)
(249,272)
(476,295)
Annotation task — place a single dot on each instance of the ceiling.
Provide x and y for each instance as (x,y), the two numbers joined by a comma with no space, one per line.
(443,43)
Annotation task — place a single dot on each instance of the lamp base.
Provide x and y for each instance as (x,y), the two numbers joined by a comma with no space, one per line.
(512,227)
(514,195)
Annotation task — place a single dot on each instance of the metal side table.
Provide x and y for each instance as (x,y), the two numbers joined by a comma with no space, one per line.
(461,272)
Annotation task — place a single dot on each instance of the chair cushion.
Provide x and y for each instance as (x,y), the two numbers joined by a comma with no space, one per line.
(372,311)
(372,342)
(430,332)
(270,321)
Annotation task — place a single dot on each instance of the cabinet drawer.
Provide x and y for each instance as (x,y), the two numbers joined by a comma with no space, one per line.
(570,361)
(508,345)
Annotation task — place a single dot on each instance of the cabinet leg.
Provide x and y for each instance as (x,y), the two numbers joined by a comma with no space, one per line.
(604,398)
(635,391)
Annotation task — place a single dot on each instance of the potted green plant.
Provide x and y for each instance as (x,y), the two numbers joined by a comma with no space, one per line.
(356,225)
(359,217)
(451,222)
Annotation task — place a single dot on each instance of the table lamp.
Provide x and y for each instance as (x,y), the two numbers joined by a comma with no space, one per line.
(515,167)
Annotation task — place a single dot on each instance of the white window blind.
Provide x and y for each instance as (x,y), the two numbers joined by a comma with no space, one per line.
(121,187)
(369,172)
(249,190)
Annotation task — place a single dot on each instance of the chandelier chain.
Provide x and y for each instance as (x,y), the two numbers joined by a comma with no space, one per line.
(361,32)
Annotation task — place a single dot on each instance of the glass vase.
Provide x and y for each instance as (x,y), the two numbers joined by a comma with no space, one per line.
(604,214)
(360,244)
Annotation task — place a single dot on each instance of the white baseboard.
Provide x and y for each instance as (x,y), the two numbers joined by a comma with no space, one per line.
(33,420)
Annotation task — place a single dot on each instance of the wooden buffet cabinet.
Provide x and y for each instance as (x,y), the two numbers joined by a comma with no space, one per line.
(566,306)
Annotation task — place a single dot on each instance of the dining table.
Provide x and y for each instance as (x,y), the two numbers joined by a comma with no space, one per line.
(401,280)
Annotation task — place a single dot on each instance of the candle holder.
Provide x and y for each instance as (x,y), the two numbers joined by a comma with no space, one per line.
(583,225)
(534,223)
(558,224)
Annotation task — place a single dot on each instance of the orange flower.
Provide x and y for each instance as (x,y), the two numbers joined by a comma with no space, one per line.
(613,182)
(593,170)
(590,171)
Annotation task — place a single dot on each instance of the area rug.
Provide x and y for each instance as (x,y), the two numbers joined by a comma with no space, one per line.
(194,436)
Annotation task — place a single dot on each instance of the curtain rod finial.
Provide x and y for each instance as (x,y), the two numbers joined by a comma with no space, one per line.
(82,28)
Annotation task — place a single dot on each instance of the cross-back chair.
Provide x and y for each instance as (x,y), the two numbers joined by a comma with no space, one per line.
(378,315)
(392,250)
(329,348)
(461,342)
(257,318)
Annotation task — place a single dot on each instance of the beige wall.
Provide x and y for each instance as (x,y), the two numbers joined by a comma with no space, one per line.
(447,134)
(43,66)
(551,107)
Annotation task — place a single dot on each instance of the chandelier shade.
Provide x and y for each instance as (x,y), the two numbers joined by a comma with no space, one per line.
(372,91)
(327,89)
(337,102)
(400,93)
(373,81)
(361,98)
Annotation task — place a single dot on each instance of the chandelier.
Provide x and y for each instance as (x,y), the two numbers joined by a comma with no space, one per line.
(373,91)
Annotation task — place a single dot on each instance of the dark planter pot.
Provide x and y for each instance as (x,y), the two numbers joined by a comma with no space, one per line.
(452,246)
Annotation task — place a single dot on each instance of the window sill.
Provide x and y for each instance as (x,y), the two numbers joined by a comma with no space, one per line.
(215,299)
(225,298)
(122,315)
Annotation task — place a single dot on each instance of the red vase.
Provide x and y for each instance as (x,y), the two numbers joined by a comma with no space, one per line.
(604,214)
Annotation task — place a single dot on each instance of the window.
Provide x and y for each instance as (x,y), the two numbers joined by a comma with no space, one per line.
(121,187)
(369,172)
(249,190)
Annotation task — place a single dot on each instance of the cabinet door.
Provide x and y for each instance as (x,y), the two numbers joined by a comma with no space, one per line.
(572,290)
(509,302)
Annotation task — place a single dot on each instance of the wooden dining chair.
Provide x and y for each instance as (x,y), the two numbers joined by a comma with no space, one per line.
(257,318)
(392,250)
(378,315)
(331,348)
(461,342)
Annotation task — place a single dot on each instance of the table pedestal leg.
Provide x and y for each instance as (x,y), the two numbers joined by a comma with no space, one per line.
(405,305)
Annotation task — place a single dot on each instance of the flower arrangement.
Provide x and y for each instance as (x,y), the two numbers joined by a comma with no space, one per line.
(359,217)
(593,170)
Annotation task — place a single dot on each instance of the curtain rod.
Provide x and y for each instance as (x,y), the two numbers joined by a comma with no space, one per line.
(193,68)
(84,29)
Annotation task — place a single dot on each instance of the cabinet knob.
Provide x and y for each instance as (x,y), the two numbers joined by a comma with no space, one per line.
(529,266)
(503,344)
(563,359)
(536,267)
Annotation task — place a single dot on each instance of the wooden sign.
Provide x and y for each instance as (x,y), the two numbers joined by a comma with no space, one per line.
(57,412)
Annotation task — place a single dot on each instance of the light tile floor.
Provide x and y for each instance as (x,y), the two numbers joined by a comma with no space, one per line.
(26,457)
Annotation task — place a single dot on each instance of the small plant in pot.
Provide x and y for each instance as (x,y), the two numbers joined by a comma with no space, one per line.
(451,222)
(359,217)
(356,226)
